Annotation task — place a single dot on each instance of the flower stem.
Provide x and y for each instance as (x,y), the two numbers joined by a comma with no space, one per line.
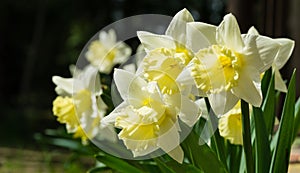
(247,137)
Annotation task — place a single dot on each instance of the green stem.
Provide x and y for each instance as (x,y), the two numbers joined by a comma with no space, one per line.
(247,137)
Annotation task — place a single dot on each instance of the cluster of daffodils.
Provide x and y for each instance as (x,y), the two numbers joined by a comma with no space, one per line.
(191,61)
(79,104)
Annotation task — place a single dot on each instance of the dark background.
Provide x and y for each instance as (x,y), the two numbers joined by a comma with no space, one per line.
(41,38)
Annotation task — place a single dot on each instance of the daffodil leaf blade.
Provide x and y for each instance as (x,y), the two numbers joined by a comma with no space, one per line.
(280,159)
(202,156)
(179,168)
(262,145)
(297,119)
(117,164)
(269,106)
(99,170)
(164,168)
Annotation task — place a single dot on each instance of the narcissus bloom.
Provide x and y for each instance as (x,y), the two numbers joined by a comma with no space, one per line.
(230,125)
(107,52)
(175,39)
(228,66)
(283,55)
(80,107)
(148,118)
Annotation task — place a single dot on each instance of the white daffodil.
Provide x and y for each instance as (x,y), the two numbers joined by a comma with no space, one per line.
(174,40)
(228,66)
(283,55)
(167,54)
(80,107)
(148,118)
(107,52)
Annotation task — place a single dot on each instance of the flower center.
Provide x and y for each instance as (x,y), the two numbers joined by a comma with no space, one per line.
(163,66)
(216,68)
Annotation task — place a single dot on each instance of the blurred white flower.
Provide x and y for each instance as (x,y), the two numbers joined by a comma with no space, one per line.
(106,52)
(80,107)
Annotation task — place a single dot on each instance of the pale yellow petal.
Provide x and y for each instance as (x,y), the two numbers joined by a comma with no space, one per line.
(285,51)
(152,41)
(229,34)
(200,35)
(177,27)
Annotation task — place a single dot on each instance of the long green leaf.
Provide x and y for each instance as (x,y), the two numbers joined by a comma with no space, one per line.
(297,119)
(117,164)
(269,107)
(262,145)
(280,159)
(247,137)
(202,156)
(187,168)
(163,167)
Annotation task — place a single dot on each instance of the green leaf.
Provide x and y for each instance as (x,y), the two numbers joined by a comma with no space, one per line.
(266,81)
(201,156)
(234,157)
(117,164)
(269,107)
(297,119)
(163,167)
(187,168)
(98,170)
(280,159)
(262,145)
(247,146)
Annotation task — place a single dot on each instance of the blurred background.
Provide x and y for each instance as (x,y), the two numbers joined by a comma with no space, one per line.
(41,38)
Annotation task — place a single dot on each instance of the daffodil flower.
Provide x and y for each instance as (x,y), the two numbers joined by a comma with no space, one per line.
(167,54)
(148,118)
(175,39)
(80,106)
(230,125)
(107,52)
(283,55)
(227,66)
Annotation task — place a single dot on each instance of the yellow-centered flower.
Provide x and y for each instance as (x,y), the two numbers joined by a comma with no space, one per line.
(148,118)
(82,108)
(228,66)
(107,52)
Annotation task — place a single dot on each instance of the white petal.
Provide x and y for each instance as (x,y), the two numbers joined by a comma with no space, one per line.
(279,83)
(248,91)
(123,53)
(267,49)
(152,41)
(125,80)
(260,51)
(108,38)
(185,77)
(229,34)
(169,139)
(66,84)
(189,111)
(177,154)
(110,119)
(177,27)
(253,31)
(222,102)
(200,35)
(89,79)
(285,51)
